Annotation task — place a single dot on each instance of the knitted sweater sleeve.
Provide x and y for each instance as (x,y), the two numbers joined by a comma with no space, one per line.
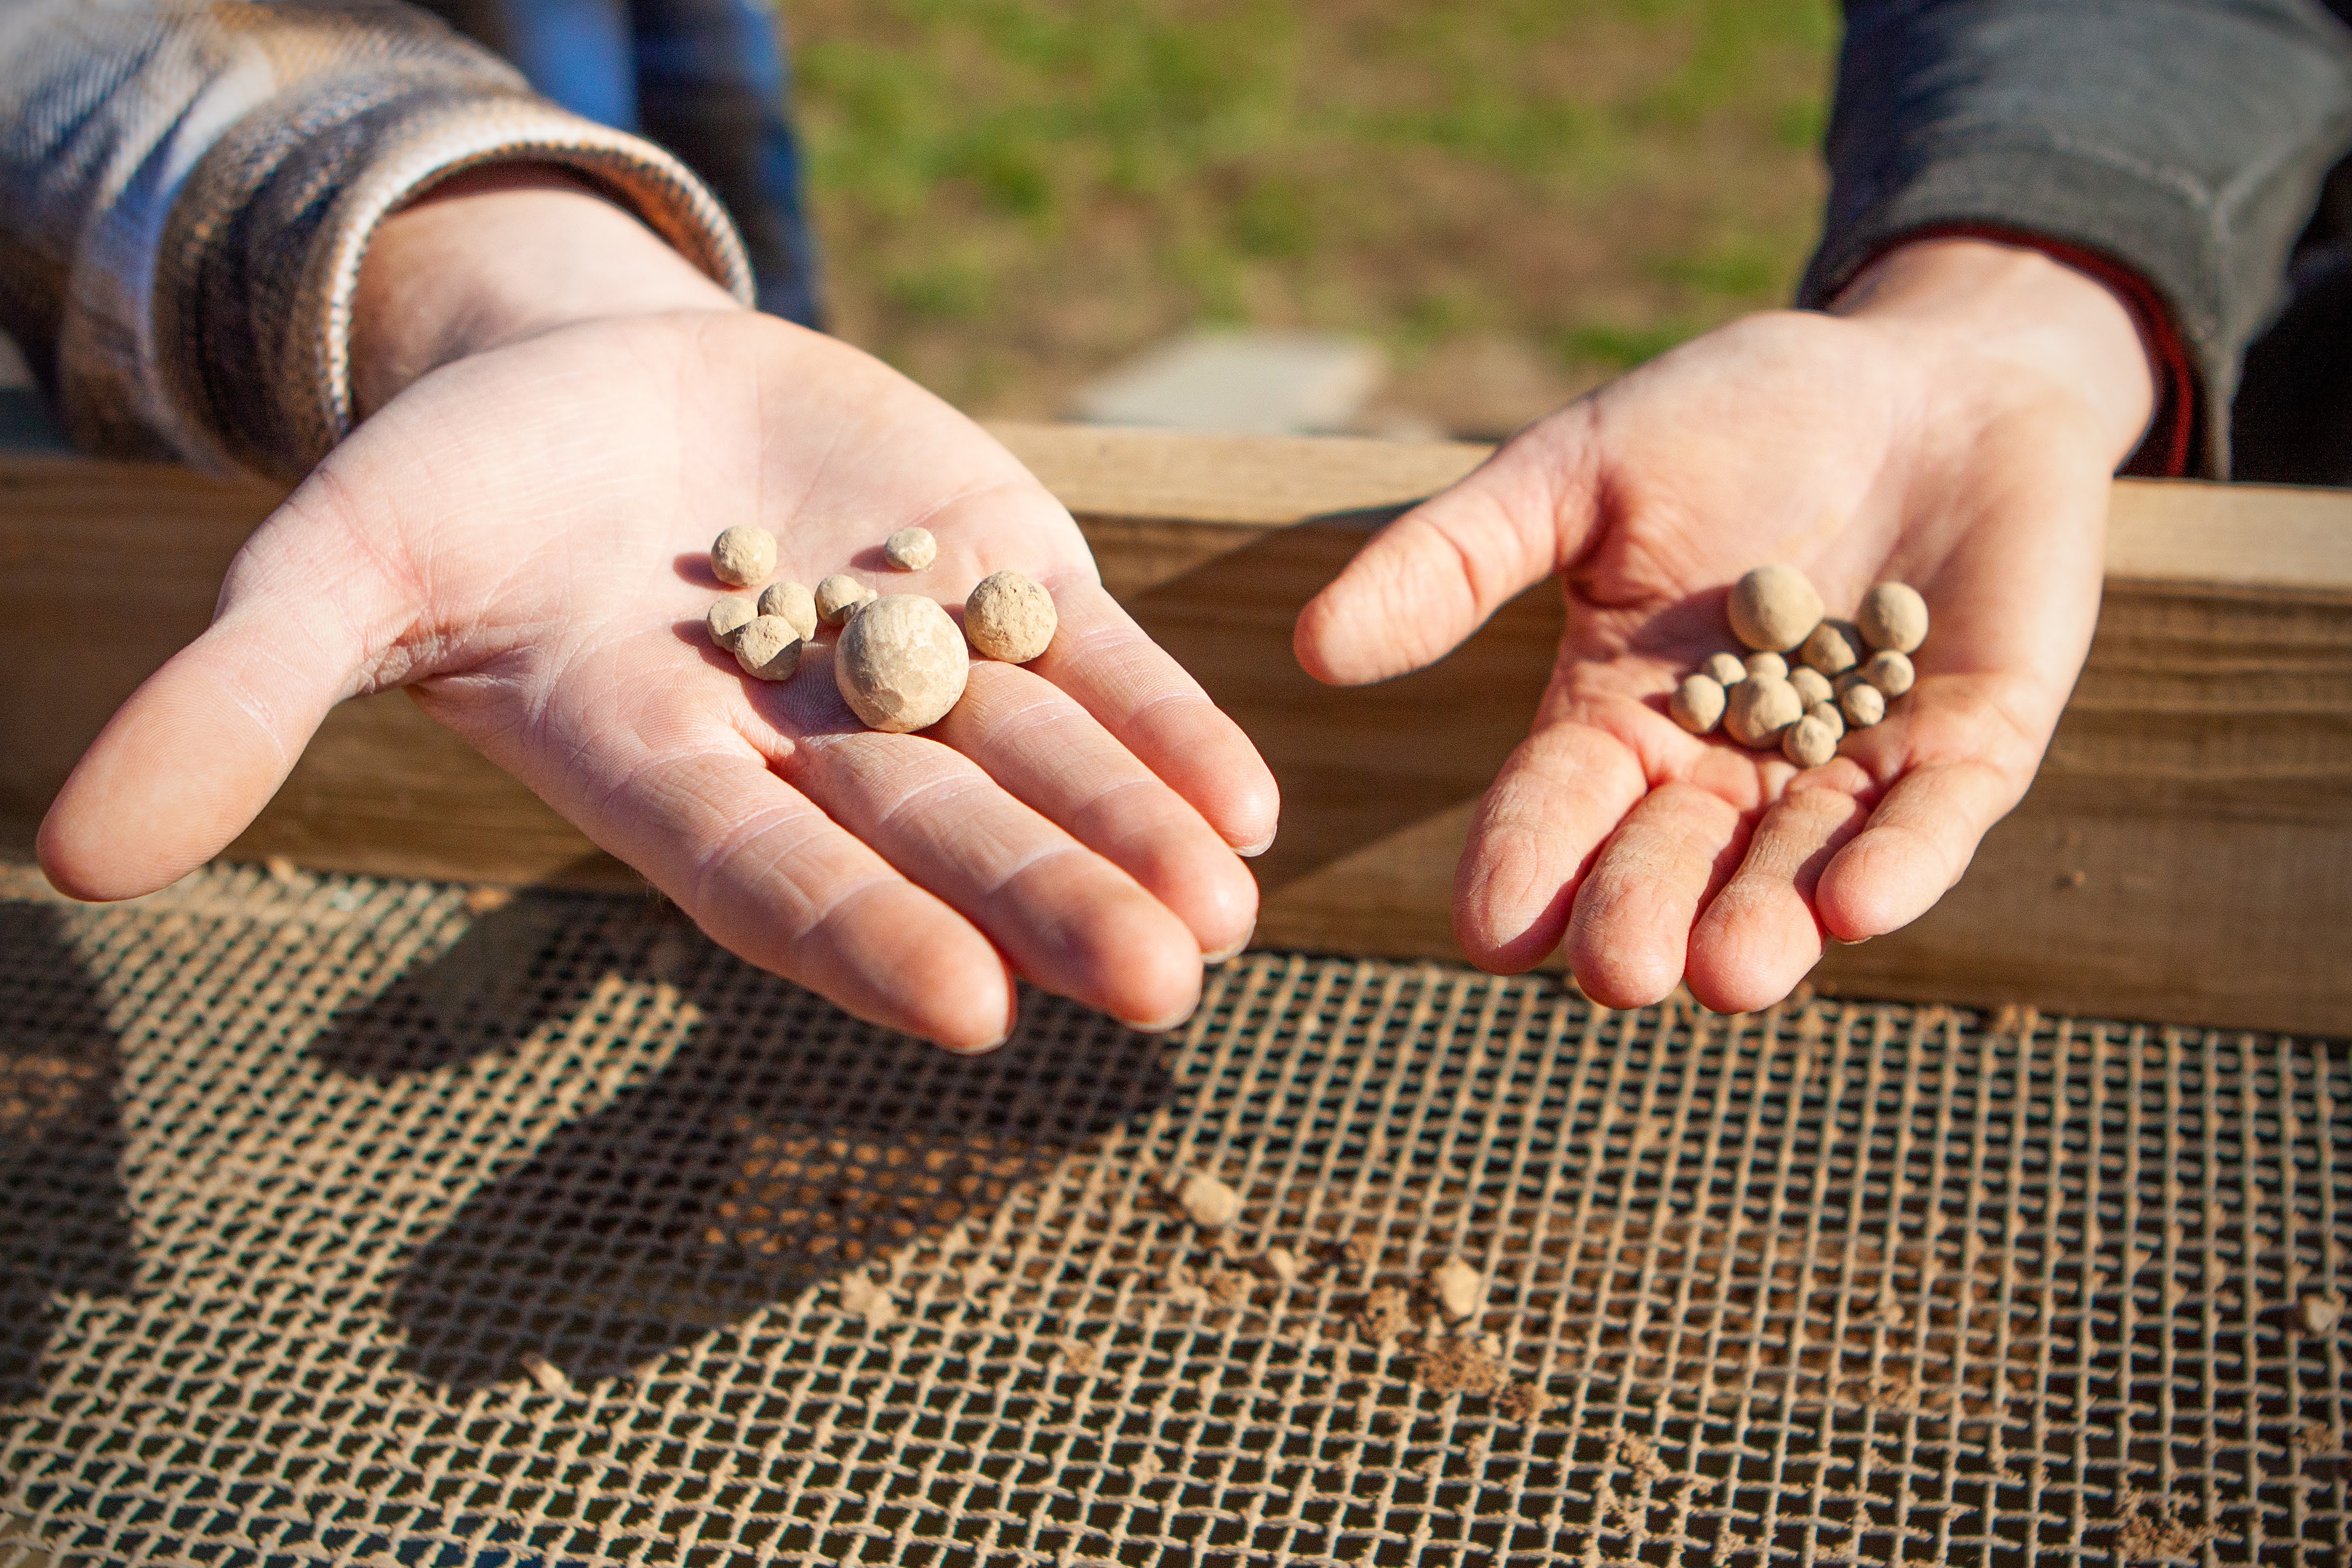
(188,188)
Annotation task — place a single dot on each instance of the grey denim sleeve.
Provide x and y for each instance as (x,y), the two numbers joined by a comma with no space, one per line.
(188,188)
(2187,140)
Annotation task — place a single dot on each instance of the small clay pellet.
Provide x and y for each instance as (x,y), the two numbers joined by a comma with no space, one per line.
(1724,669)
(1208,1202)
(1832,648)
(744,556)
(769,648)
(726,618)
(1889,671)
(1774,608)
(1862,705)
(1010,616)
(1893,618)
(840,596)
(1827,712)
(2318,1314)
(1808,743)
(1771,666)
(1698,704)
(1759,709)
(1457,1287)
(1810,684)
(793,601)
(900,663)
(550,1377)
(911,549)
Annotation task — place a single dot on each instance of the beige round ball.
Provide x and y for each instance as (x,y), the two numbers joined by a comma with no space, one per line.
(1831,648)
(1774,608)
(1698,703)
(1810,684)
(744,556)
(1893,618)
(1827,712)
(1760,708)
(726,618)
(794,603)
(1010,616)
(1889,671)
(1808,743)
(900,663)
(839,596)
(1724,669)
(911,549)
(1771,666)
(1862,705)
(769,648)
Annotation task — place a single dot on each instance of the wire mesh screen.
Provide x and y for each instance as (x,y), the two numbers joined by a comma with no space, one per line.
(358,1221)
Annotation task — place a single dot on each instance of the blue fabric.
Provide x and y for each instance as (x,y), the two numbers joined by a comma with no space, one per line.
(706,78)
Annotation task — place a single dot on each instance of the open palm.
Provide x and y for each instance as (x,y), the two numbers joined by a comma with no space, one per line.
(1824,443)
(521,539)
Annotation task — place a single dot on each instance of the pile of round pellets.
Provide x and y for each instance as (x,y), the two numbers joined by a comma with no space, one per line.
(1843,673)
(898,659)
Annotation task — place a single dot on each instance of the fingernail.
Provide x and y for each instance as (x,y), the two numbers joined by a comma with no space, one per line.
(1233,951)
(979,1050)
(1161,1028)
(1252,851)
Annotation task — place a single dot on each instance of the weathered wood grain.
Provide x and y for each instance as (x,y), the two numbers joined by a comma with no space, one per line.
(2186,853)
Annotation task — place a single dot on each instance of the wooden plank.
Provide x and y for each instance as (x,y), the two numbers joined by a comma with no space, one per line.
(2186,853)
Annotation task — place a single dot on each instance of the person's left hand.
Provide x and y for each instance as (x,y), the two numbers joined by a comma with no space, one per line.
(1953,423)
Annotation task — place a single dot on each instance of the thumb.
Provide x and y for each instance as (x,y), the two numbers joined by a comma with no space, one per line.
(200,748)
(1430,578)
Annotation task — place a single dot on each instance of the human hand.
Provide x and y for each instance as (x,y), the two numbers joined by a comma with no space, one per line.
(519,535)
(1954,424)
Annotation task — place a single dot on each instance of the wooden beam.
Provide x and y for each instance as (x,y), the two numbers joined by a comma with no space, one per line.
(2186,853)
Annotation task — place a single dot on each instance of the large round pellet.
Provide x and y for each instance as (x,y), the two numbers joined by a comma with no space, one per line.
(744,556)
(769,648)
(1458,1287)
(1862,705)
(1759,709)
(1698,703)
(901,663)
(1827,712)
(1724,669)
(1774,607)
(1771,666)
(1808,743)
(911,549)
(1892,617)
(840,596)
(1889,671)
(1810,684)
(726,618)
(1831,648)
(1208,1202)
(1010,617)
(794,603)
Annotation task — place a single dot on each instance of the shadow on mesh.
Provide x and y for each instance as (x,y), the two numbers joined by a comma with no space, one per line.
(786,1142)
(513,970)
(64,1228)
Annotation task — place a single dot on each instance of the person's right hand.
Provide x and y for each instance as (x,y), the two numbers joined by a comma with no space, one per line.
(1954,424)
(519,535)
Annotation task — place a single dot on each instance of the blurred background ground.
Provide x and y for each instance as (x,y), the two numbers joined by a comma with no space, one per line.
(1514,199)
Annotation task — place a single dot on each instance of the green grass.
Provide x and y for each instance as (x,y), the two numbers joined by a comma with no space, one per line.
(1017,192)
